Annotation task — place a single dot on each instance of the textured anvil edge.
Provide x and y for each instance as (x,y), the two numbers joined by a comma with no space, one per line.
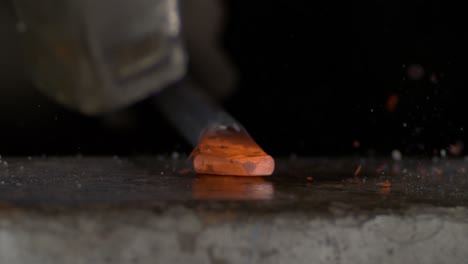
(179,234)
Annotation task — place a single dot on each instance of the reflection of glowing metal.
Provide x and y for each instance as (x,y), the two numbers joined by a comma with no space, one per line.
(217,187)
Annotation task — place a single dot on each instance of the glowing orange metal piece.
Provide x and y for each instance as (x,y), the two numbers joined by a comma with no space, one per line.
(231,152)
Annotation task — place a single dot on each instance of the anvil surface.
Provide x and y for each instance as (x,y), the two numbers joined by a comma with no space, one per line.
(311,210)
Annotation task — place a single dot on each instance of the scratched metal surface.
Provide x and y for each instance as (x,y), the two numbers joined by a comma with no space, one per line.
(306,185)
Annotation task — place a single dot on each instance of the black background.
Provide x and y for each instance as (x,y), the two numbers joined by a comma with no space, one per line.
(314,78)
(323,73)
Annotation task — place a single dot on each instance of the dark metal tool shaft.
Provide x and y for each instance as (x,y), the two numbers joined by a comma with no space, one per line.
(192,111)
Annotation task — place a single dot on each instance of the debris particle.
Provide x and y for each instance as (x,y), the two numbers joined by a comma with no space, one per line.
(381,169)
(5,163)
(392,102)
(175,155)
(415,72)
(456,149)
(396,155)
(443,153)
(78,185)
(358,170)
(438,171)
(356,144)
(309,178)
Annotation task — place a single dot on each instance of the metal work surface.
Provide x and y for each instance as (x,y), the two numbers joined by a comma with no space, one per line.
(116,210)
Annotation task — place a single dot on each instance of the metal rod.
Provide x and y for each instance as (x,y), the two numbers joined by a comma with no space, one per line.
(192,111)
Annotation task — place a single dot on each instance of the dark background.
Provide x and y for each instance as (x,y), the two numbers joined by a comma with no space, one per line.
(315,79)
(323,74)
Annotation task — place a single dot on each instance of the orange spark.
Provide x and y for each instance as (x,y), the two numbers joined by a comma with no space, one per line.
(392,102)
(358,170)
